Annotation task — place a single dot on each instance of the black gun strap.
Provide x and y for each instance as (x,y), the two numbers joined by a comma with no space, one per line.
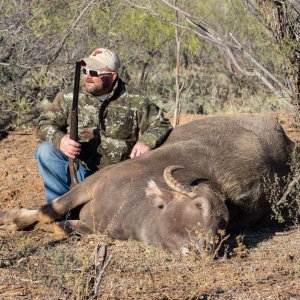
(101,114)
(120,90)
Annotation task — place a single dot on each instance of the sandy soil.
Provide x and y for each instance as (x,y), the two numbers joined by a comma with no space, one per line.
(262,264)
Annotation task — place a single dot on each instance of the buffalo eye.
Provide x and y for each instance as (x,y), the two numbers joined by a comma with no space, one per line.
(161,206)
(199,205)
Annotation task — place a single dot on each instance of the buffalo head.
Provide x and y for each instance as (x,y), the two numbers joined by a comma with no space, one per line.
(186,216)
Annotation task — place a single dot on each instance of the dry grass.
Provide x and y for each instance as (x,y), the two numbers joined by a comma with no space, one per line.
(37,265)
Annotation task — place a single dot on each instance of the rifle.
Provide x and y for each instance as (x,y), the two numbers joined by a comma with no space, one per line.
(74,123)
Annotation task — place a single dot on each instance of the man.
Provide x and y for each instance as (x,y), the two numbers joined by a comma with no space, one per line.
(114,123)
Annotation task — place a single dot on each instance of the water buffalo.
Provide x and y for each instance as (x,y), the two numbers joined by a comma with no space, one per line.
(207,176)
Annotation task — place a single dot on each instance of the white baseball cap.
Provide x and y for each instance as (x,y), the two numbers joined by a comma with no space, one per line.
(102,58)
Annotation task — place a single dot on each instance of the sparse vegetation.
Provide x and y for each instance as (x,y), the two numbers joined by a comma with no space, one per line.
(283,195)
(38,50)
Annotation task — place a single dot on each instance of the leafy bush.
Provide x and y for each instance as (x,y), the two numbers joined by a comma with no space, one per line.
(38,48)
(284,196)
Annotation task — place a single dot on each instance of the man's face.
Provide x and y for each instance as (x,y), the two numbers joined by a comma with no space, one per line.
(100,84)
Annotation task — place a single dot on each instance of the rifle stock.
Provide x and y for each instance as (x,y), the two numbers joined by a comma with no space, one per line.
(74,123)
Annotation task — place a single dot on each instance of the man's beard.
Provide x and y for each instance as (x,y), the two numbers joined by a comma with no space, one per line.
(98,90)
(95,91)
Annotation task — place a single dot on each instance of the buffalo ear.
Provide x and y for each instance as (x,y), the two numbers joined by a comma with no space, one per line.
(155,195)
(198,181)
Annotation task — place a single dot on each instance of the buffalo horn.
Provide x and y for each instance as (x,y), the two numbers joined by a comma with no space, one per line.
(174,184)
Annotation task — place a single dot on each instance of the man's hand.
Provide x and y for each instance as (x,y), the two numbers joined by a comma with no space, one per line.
(69,147)
(138,149)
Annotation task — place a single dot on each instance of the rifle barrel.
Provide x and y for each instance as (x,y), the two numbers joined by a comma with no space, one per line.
(74,122)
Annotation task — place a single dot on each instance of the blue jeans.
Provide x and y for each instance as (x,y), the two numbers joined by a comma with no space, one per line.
(54,169)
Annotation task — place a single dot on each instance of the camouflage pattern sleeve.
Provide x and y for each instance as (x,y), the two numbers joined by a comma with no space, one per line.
(154,127)
(52,124)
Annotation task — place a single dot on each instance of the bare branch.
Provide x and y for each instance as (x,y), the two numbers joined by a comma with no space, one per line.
(205,27)
(289,189)
(252,9)
(184,13)
(216,39)
(69,31)
(295,4)
(237,65)
(263,79)
(205,36)
(289,91)
(281,18)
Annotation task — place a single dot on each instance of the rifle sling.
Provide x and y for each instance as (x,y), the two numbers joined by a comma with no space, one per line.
(104,105)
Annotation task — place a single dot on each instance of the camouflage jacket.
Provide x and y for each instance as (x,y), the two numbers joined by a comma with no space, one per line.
(107,130)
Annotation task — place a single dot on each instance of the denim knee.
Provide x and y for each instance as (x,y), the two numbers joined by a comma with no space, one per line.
(47,150)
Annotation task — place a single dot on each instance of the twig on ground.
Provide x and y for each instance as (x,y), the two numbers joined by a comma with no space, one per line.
(99,263)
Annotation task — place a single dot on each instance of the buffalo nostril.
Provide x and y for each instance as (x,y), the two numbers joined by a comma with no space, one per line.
(209,248)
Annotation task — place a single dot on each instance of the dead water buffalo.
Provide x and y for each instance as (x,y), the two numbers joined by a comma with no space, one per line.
(207,176)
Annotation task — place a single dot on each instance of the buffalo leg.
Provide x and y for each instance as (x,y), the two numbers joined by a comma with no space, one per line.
(16,218)
(65,227)
(61,206)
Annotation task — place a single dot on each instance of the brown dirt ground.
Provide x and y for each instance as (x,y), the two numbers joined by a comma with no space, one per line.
(262,264)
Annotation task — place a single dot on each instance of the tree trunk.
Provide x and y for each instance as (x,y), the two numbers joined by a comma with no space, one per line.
(282,19)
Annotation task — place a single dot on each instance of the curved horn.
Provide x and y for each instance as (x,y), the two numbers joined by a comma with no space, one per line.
(174,184)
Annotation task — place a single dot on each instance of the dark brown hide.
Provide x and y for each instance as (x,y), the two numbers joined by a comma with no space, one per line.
(224,158)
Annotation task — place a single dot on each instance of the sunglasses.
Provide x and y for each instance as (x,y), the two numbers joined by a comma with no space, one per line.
(94,73)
